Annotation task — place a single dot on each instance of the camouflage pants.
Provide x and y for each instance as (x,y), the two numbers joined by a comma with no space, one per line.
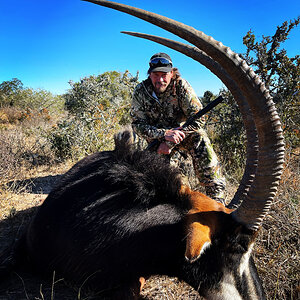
(205,162)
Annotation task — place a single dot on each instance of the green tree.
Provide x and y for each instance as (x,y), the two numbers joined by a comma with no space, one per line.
(10,91)
(280,73)
(13,94)
(95,93)
(97,106)
(226,131)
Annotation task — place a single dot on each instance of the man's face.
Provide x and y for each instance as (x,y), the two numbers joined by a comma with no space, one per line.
(160,81)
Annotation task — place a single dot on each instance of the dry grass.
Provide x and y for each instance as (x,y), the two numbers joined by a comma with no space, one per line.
(276,252)
(22,148)
(163,287)
(277,249)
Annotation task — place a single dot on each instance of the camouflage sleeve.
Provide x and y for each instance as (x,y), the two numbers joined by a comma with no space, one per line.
(140,123)
(191,104)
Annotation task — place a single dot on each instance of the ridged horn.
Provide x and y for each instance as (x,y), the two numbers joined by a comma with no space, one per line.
(215,68)
(268,126)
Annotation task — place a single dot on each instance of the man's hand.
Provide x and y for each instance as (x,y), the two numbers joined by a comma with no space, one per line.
(163,148)
(174,135)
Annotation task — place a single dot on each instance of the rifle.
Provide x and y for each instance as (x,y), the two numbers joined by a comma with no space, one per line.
(191,119)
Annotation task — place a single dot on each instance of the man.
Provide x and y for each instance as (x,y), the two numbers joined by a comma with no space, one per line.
(160,105)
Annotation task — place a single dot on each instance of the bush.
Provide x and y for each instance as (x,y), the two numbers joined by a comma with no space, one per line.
(225,128)
(280,73)
(97,106)
(21,149)
(14,95)
(10,115)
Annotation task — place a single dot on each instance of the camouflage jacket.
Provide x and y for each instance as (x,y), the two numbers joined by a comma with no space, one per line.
(152,116)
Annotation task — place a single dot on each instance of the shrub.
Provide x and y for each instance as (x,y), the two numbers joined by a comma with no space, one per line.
(14,95)
(97,106)
(226,131)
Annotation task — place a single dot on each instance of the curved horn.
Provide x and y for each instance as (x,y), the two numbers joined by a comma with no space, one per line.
(271,145)
(214,67)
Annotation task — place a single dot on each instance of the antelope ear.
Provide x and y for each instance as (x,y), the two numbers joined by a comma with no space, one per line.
(198,239)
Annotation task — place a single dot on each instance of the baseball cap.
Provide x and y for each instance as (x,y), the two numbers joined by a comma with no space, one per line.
(160,62)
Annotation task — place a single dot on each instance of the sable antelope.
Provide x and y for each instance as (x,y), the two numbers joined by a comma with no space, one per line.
(119,215)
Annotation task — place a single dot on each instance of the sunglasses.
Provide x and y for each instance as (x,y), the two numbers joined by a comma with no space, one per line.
(159,61)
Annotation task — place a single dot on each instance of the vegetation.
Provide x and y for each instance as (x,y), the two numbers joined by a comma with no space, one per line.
(281,75)
(225,127)
(97,106)
(38,127)
(25,115)
(14,95)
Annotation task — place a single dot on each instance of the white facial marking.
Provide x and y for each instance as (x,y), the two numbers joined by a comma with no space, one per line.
(244,264)
(227,290)
(245,270)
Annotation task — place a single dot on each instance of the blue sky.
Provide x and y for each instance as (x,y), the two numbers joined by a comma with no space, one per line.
(46,43)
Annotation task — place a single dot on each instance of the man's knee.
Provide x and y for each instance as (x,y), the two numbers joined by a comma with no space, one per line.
(215,189)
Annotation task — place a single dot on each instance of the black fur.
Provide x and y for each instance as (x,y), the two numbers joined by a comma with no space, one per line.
(118,215)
